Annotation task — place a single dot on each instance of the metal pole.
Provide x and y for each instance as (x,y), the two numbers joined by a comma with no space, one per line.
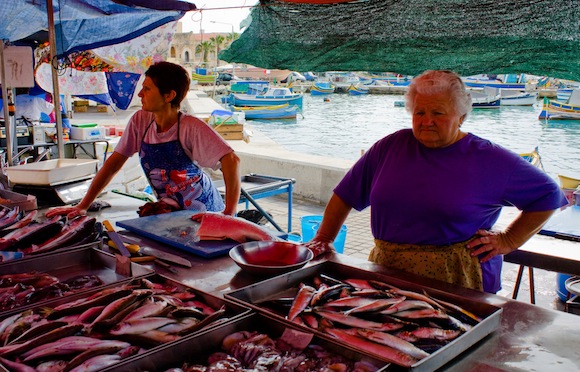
(55,90)
(7,118)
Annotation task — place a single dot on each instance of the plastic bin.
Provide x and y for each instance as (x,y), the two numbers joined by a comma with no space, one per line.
(561,286)
(310,225)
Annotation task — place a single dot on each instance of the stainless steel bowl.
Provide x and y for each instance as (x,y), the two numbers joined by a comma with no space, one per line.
(270,257)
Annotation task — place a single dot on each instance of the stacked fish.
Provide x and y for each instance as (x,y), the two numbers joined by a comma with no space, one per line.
(102,329)
(19,231)
(400,325)
(24,289)
(254,351)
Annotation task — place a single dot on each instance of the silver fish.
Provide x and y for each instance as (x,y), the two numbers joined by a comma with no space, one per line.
(138,326)
(358,322)
(407,305)
(376,305)
(421,313)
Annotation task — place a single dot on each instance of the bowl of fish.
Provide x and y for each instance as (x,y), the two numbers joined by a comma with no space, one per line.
(270,257)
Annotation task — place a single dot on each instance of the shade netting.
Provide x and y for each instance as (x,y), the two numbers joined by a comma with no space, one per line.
(539,37)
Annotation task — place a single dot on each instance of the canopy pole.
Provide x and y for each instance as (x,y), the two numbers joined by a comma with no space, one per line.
(7,118)
(55,90)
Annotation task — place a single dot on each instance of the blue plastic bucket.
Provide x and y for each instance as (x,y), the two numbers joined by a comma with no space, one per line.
(310,225)
(561,288)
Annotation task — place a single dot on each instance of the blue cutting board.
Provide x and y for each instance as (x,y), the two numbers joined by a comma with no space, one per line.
(564,224)
(178,230)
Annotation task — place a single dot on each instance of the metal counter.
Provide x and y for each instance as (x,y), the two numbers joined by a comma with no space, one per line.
(529,337)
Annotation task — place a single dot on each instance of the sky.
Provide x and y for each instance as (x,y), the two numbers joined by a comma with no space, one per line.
(225,13)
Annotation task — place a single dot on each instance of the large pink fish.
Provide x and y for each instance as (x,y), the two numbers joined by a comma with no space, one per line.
(218,226)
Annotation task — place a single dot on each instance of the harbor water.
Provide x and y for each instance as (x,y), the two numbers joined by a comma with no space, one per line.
(344,126)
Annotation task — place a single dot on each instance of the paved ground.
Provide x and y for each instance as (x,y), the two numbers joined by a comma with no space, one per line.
(359,242)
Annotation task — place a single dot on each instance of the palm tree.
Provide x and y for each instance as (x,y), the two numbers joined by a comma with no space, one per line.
(204,48)
(230,38)
(217,42)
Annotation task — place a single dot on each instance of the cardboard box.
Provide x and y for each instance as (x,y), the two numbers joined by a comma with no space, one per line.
(81,102)
(102,108)
(230,131)
(81,108)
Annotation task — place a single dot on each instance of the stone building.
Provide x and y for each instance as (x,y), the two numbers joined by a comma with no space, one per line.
(183,49)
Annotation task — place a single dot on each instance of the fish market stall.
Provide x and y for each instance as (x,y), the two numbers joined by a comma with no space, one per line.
(508,335)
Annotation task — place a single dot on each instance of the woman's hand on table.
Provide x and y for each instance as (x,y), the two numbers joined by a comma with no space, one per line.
(69,212)
(319,247)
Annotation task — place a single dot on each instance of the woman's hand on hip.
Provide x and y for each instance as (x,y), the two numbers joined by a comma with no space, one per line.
(489,244)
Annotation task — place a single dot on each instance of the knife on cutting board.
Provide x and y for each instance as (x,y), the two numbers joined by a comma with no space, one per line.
(147,251)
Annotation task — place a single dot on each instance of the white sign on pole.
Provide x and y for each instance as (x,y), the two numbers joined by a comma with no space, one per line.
(19,64)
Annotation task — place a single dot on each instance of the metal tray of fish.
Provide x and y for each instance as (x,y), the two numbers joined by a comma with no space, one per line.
(54,270)
(463,321)
(197,349)
(115,323)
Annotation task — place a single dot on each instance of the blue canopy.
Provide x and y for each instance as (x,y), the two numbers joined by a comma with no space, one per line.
(86,24)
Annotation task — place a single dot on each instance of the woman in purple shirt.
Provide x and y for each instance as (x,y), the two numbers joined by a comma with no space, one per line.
(435,192)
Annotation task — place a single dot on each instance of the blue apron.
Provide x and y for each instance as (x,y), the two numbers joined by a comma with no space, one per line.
(172,174)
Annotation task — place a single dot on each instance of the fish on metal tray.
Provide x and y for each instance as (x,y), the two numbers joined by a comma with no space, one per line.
(217,226)
(301,301)
(72,232)
(394,342)
(32,233)
(353,321)
(382,351)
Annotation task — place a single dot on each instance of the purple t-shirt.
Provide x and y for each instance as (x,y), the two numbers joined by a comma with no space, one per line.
(443,196)
(201,143)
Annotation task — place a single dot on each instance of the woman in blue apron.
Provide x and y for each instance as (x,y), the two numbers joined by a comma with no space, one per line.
(173,148)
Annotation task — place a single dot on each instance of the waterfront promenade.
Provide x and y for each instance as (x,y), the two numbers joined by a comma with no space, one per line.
(359,239)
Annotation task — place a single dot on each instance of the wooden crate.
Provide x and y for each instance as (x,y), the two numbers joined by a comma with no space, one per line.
(230,131)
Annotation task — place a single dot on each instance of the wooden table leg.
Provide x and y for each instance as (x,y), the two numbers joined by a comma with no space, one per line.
(532,287)
(518,282)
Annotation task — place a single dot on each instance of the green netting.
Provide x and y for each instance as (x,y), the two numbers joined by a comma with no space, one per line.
(539,37)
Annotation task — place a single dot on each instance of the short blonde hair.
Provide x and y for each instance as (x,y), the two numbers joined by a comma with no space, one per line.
(440,81)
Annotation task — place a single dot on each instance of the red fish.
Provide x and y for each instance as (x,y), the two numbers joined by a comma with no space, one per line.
(217,226)
(383,351)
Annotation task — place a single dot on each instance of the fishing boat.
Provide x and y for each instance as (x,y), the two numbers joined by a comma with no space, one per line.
(358,89)
(558,110)
(342,80)
(284,111)
(322,88)
(533,158)
(485,99)
(568,182)
(203,79)
(272,95)
(507,81)
(510,97)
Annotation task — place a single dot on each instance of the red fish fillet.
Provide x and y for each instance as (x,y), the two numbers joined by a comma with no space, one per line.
(217,226)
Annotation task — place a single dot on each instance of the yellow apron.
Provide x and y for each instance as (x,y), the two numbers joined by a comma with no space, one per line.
(451,264)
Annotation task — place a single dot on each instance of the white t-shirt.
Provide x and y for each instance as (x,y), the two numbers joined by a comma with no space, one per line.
(204,146)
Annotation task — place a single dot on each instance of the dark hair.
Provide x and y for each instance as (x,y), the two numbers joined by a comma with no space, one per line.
(168,76)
